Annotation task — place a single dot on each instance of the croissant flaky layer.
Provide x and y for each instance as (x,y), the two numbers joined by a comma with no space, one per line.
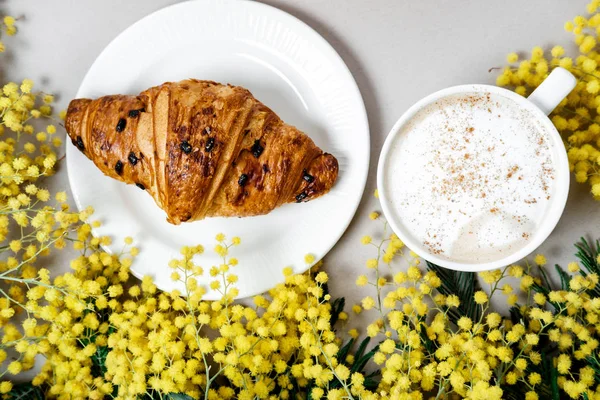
(201,149)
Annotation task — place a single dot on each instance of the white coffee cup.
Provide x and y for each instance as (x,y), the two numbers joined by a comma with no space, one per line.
(539,104)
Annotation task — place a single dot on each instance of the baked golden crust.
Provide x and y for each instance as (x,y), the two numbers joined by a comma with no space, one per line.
(201,149)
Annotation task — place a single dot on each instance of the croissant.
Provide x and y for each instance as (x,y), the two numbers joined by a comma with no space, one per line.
(201,149)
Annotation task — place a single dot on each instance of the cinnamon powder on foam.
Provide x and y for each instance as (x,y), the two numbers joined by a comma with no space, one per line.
(471,176)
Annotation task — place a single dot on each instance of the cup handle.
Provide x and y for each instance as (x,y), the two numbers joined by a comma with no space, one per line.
(553,90)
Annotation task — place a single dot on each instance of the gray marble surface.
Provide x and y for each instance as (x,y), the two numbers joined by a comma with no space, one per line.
(398,51)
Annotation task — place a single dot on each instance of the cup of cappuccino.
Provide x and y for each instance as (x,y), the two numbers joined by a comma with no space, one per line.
(476,177)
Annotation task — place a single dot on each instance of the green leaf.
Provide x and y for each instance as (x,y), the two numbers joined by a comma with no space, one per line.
(512,392)
(549,375)
(360,364)
(540,289)
(360,361)
(178,396)
(25,391)
(294,392)
(343,352)
(336,308)
(546,282)
(565,278)
(546,291)
(554,383)
(370,382)
(464,285)
(309,388)
(99,361)
(361,348)
(428,343)
(593,362)
(588,257)
(515,315)
(325,288)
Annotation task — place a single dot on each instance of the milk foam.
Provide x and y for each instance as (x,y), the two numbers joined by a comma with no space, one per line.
(471,176)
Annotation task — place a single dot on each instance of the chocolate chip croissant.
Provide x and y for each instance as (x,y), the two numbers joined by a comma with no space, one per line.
(201,149)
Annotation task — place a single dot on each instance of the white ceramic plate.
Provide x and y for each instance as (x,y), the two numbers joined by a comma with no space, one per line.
(286,65)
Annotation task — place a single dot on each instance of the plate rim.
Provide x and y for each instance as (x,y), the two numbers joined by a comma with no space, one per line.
(304,30)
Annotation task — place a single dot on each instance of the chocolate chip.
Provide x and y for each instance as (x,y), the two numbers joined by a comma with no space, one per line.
(210,143)
(119,167)
(79,143)
(266,168)
(134,113)
(132,158)
(186,147)
(243,180)
(301,197)
(257,149)
(307,177)
(140,186)
(121,125)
